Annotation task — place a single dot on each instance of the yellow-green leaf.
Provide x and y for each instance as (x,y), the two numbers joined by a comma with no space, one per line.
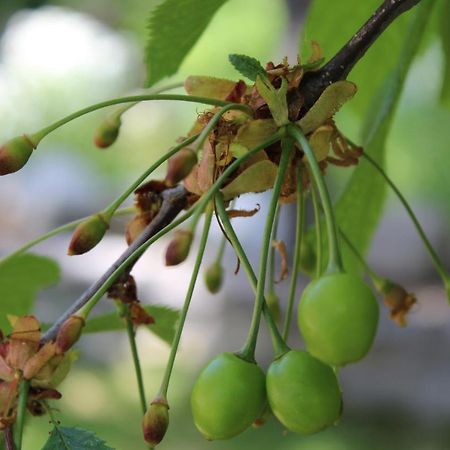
(257,178)
(211,87)
(327,105)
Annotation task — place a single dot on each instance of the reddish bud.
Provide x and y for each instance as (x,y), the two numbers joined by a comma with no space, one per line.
(156,422)
(87,235)
(398,300)
(107,132)
(180,166)
(69,333)
(178,249)
(15,153)
(214,277)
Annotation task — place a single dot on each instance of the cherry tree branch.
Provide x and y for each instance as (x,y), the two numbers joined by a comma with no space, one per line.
(338,67)
(174,201)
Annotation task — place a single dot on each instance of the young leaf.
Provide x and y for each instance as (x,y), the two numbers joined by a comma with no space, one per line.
(74,438)
(174,28)
(359,208)
(164,326)
(247,66)
(21,278)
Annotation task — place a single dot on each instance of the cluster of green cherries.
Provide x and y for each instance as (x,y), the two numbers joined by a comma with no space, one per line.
(337,317)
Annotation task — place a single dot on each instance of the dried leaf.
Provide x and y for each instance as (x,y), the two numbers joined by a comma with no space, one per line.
(211,87)
(320,142)
(328,104)
(280,247)
(232,213)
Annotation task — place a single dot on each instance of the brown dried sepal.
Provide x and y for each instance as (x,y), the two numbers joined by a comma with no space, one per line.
(139,316)
(399,302)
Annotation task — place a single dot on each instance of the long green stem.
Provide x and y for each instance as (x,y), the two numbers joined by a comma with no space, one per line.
(248,350)
(278,342)
(187,302)
(66,227)
(39,135)
(439,266)
(318,229)
(21,411)
(335,259)
(124,311)
(299,226)
(109,210)
(123,109)
(377,281)
(271,262)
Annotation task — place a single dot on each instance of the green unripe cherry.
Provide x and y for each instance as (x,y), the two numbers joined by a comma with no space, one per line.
(338,318)
(303,392)
(227,397)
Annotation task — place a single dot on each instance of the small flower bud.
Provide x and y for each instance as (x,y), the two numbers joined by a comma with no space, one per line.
(15,153)
(214,277)
(107,132)
(180,166)
(178,249)
(155,422)
(88,234)
(398,301)
(39,360)
(69,333)
(273,302)
(135,227)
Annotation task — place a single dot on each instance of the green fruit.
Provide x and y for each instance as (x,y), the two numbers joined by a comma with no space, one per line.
(228,396)
(303,392)
(338,317)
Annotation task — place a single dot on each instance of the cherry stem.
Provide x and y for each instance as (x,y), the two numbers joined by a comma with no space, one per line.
(21,412)
(124,312)
(123,109)
(318,229)
(61,229)
(377,281)
(299,227)
(187,303)
(279,345)
(271,262)
(39,135)
(438,265)
(248,350)
(335,259)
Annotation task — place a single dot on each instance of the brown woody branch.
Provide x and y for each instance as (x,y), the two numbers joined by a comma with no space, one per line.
(338,67)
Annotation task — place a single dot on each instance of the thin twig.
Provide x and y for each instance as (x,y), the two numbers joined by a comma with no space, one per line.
(345,59)
(174,200)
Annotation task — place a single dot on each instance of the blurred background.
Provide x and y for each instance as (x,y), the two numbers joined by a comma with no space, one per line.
(57,56)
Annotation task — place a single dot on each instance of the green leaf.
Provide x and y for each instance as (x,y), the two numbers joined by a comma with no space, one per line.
(164,326)
(359,208)
(174,28)
(332,24)
(445,38)
(246,65)
(276,98)
(74,438)
(21,278)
